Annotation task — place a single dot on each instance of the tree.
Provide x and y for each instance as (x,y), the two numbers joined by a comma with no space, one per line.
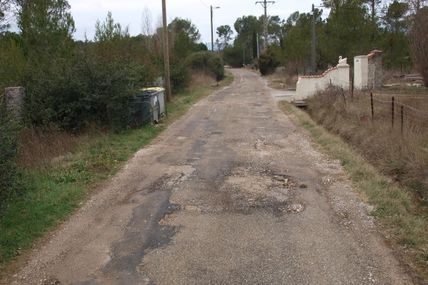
(184,38)
(395,18)
(46,26)
(419,43)
(395,42)
(109,30)
(334,5)
(224,34)
(372,5)
(349,31)
(46,31)
(247,28)
(184,27)
(275,29)
(147,24)
(297,40)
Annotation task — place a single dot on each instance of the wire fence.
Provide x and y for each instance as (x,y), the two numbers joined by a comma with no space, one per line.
(393,109)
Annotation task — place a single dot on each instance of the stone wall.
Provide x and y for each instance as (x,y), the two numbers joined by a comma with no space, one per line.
(308,86)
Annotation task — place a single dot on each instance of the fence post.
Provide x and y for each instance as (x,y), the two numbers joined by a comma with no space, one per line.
(14,100)
(392,111)
(402,120)
(371,103)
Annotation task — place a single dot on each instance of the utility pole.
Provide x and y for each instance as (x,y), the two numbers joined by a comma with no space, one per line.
(212,26)
(265,4)
(258,46)
(166,53)
(313,44)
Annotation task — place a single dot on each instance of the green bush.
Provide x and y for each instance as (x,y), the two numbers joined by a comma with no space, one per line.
(88,89)
(233,56)
(206,61)
(268,62)
(8,152)
(180,77)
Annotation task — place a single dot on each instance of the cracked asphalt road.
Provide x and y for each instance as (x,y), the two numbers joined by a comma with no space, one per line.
(232,193)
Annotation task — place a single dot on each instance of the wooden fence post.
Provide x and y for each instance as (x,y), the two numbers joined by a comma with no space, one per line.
(392,111)
(371,103)
(402,120)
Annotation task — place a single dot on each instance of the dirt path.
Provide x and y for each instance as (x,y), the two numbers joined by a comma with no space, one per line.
(233,193)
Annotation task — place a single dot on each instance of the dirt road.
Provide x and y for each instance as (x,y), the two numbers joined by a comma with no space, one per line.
(233,193)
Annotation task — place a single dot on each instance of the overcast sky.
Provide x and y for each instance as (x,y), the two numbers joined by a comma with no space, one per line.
(129,12)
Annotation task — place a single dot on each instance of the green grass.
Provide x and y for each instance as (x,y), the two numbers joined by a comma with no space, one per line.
(398,214)
(53,193)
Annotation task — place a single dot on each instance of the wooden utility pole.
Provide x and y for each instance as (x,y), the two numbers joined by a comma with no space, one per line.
(313,44)
(265,4)
(166,53)
(212,28)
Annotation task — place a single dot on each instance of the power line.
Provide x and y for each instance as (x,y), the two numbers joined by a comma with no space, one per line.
(265,5)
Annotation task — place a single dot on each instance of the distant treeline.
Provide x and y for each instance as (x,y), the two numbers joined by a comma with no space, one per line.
(351,28)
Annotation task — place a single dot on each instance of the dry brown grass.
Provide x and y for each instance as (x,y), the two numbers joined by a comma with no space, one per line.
(40,148)
(400,155)
(201,79)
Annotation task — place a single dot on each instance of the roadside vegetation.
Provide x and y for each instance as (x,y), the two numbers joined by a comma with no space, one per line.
(75,129)
(401,212)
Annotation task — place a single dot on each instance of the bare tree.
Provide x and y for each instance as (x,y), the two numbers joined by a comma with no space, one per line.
(419,41)
(147,24)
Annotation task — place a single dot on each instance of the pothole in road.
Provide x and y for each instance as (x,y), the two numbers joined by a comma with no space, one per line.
(246,191)
(168,181)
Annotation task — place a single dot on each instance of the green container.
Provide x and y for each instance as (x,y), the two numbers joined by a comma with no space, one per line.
(147,106)
(140,110)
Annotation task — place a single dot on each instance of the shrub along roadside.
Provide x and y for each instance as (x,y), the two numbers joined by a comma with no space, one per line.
(8,152)
(268,62)
(208,62)
(401,220)
(56,191)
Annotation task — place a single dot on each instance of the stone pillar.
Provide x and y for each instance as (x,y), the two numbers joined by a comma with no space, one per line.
(342,79)
(361,72)
(368,72)
(14,100)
